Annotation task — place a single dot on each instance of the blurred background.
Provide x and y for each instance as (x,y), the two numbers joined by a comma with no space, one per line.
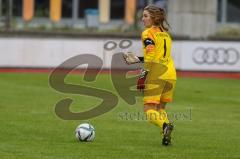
(188,18)
(45,33)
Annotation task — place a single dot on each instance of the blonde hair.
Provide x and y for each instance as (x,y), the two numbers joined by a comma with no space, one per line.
(158,16)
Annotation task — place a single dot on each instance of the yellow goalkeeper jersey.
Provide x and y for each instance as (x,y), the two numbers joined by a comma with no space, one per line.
(157,45)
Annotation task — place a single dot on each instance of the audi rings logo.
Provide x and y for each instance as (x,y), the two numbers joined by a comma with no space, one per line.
(220,56)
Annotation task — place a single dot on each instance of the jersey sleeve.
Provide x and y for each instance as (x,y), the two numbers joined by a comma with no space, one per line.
(148,47)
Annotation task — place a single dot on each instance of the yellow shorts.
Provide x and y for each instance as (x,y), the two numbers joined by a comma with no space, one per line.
(157,91)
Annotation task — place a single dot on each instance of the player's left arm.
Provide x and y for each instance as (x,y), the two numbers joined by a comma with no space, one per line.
(149,52)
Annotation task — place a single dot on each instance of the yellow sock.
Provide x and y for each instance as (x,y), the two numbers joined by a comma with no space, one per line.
(154,117)
(163,115)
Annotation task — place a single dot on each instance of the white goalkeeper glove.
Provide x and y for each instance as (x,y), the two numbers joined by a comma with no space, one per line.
(130,58)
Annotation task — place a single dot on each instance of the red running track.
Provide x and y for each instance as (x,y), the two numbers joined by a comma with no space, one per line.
(195,74)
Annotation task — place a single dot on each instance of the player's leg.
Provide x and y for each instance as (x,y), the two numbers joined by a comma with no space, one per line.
(153,115)
(159,118)
(161,105)
(165,98)
(162,112)
(167,127)
(152,96)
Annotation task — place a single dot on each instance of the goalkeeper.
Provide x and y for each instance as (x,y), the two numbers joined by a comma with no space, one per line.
(158,77)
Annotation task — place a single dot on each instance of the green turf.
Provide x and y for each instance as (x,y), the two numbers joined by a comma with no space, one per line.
(30,128)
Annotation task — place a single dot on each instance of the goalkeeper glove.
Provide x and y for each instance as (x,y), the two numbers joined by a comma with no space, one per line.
(141,80)
(130,58)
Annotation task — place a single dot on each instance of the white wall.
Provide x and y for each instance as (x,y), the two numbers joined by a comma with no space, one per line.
(33,52)
(51,52)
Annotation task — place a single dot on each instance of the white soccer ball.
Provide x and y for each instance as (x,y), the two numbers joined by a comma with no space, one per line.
(85,132)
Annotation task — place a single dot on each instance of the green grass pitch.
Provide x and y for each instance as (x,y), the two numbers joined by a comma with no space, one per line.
(206,115)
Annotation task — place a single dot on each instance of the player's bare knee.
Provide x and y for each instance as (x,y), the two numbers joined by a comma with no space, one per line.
(161,105)
(150,106)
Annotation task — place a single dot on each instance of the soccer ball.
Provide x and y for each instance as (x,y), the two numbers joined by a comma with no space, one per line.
(85,132)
